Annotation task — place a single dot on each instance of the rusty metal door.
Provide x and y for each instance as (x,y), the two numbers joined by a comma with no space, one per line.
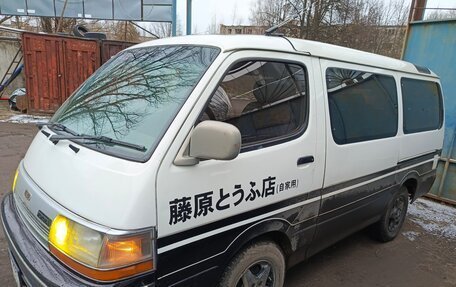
(82,59)
(55,66)
(110,48)
(43,71)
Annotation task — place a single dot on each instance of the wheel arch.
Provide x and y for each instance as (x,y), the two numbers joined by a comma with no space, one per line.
(411,182)
(273,229)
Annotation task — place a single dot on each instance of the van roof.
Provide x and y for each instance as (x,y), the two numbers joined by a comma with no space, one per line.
(272,43)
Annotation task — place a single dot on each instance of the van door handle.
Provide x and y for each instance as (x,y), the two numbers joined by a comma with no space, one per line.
(305,159)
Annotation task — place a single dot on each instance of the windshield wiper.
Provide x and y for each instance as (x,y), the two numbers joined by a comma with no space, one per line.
(58,127)
(56,138)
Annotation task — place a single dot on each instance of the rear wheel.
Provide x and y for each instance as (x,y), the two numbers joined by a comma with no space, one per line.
(259,265)
(392,220)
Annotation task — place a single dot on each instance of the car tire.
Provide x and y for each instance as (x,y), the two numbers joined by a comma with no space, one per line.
(392,220)
(260,264)
(79,30)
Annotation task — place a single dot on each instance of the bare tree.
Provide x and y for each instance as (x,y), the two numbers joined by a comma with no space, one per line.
(121,30)
(440,15)
(370,25)
(213,27)
(268,12)
(5,18)
(161,29)
(51,24)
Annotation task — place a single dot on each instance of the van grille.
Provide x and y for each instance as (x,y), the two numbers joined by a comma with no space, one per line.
(34,224)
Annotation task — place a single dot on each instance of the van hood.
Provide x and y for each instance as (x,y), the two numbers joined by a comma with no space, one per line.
(103,189)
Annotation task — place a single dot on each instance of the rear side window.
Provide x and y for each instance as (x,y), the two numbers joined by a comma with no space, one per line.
(422,103)
(265,100)
(362,105)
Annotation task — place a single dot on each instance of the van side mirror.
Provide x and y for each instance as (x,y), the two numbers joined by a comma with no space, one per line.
(215,140)
(210,140)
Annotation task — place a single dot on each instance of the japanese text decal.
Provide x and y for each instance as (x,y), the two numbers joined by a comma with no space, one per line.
(202,204)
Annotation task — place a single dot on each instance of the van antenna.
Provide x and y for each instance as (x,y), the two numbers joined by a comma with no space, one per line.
(271,31)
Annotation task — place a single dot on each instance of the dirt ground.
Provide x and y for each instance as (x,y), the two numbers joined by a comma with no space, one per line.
(424,259)
(14,141)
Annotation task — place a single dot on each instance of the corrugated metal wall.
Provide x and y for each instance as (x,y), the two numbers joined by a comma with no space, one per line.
(54,67)
(433,45)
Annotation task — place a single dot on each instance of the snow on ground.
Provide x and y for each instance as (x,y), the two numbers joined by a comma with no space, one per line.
(435,218)
(25,119)
(411,235)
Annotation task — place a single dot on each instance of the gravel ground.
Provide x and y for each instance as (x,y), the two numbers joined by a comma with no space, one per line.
(424,254)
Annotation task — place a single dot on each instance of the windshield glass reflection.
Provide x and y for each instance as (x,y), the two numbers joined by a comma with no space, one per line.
(135,96)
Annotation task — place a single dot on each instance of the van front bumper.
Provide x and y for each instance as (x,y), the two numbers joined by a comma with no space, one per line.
(35,266)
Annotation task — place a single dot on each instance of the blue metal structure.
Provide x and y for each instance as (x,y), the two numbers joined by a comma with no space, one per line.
(189,17)
(131,10)
(174,18)
(433,44)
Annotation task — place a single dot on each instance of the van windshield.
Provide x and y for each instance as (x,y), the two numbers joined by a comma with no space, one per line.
(134,97)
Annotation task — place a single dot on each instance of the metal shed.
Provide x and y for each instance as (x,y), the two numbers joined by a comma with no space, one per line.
(433,44)
(110,47)
(55,66)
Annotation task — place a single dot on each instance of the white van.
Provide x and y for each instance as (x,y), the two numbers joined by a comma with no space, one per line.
(221,160)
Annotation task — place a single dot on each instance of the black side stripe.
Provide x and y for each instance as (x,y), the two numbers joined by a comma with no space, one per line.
(164,241)
(417,159)
(400,165)
(358,180)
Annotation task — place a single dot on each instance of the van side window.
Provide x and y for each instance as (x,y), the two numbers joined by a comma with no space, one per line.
(362,105)
(422,103)
(265,100)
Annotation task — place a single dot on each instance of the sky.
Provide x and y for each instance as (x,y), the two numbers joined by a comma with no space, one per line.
(204,12)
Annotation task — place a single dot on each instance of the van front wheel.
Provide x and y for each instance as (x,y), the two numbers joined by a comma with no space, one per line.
(261,265)
(392,220)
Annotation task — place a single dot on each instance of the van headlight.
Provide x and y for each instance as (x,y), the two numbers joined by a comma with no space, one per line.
(97,255)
